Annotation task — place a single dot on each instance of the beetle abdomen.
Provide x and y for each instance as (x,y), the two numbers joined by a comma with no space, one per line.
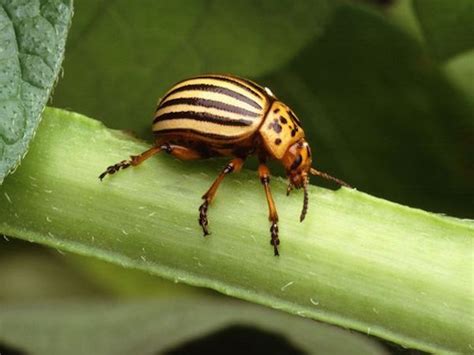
(212,108)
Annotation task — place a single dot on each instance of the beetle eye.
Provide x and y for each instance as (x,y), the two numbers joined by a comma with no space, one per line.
(297,162)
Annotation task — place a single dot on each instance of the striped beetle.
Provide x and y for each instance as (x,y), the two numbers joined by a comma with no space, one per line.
(224,115)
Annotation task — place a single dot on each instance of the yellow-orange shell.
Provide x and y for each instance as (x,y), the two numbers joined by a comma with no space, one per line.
(280,129)
(225,114)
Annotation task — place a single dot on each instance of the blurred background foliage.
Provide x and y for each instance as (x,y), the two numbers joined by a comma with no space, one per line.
(385,90)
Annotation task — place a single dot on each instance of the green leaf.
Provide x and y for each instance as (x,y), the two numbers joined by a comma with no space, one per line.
(447,26)
(154,327)
(357,261)
(460,70)
(134,51)
(402,14)
(449,33)
(32,40)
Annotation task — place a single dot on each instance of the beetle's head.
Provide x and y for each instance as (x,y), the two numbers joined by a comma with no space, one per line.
(297,163)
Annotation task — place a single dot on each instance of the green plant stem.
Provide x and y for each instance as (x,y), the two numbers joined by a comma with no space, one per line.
(357,261)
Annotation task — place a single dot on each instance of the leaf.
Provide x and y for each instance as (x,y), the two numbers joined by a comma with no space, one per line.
(461,72)
(32,39)
(153,327)
(356,261)
(449,33)
(134,51)
(447,26)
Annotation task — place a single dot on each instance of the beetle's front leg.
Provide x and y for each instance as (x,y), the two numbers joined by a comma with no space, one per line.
(233,166)
(264,174)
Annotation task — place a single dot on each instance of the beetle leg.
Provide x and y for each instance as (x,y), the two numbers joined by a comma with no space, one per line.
(180,152)
(264,175)
(234,165)
(133,161)
(177,151)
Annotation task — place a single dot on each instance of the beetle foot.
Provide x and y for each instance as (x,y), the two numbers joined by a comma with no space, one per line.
(114,168)
(275,241)
(203,222)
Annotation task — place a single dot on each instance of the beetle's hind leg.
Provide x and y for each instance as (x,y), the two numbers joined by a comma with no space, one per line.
(233,166)
(180,152)
(264,175)
(133,161)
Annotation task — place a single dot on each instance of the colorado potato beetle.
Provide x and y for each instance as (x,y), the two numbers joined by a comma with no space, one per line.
(224,115)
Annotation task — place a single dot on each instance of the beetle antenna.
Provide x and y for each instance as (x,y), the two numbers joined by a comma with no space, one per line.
(305,200)
(326,176)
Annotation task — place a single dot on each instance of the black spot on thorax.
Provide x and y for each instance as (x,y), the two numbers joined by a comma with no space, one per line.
(293,117)
(275,126)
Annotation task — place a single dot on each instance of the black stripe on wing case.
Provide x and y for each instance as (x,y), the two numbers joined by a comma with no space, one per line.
(203,117)
(216,89)
(196,101)
(193,131)
(259,92)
